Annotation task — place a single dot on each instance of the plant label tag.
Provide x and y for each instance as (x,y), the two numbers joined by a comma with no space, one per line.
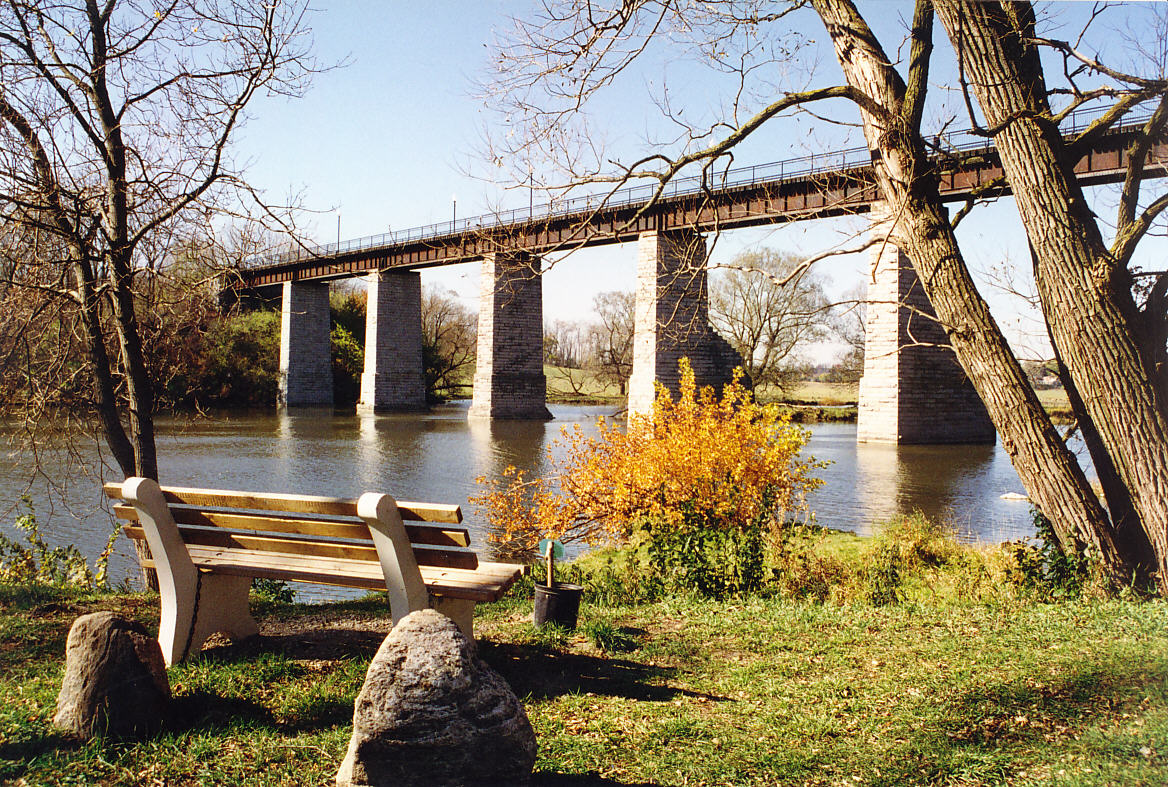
(557,549)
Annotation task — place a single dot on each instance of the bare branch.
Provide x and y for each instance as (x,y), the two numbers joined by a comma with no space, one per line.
(1136,160)
(1158,85)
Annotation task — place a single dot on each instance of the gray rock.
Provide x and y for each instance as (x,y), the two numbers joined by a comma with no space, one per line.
(115,679)
(432,713)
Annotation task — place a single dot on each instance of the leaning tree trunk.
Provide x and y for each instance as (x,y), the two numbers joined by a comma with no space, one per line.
(115,221)
(140,405)
(1130,538)
(116,225)
(907,182)
(1092,316)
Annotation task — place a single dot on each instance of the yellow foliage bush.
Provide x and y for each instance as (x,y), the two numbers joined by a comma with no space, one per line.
(729,463)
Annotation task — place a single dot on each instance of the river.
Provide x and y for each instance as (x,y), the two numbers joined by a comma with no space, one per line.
(437,456)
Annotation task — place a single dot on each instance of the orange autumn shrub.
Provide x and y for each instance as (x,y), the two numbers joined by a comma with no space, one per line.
(692,466)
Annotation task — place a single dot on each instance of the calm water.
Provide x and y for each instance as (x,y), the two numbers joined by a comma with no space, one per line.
(437,457)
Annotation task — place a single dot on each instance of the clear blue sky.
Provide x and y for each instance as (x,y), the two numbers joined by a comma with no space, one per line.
(385,141)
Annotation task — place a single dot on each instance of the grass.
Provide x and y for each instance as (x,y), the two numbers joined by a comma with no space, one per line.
(770,692)
(824,394)
(959,683)
(580,386)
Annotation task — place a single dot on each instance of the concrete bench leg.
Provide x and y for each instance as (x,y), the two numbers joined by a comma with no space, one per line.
(223,607)
(460,610)
(213,603)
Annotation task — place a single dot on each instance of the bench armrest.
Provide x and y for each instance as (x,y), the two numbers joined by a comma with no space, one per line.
(403,580)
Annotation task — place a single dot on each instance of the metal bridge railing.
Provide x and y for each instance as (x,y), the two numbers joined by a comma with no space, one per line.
(962,141)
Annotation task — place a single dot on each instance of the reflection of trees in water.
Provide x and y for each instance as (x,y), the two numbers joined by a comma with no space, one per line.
(502,444)
(520,444)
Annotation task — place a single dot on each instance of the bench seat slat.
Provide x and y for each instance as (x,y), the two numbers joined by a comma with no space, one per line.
(488,584)
(419,533)
(490,578)
(306,504)
(473,585)
(425,555)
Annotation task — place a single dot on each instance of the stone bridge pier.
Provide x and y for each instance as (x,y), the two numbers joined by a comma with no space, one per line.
(306,366)
(672,319)
(913,391)
(394,374)
(394,378)
(509,382)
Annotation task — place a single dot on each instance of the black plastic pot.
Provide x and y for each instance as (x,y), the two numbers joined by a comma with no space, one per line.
(559,604)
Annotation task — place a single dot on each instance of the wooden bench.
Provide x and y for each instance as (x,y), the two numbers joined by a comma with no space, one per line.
(207,545)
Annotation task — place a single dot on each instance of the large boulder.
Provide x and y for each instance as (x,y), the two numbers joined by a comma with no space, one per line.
(115,679)
(432,713)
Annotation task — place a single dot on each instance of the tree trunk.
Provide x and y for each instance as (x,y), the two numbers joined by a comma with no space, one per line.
(99,361)
(1129,536)
(1087,304)
(139,391)
(905,180)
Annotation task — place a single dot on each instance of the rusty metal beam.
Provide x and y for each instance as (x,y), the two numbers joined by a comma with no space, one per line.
(819,195)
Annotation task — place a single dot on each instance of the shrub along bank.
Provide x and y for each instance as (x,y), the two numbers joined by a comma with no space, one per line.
(902,659)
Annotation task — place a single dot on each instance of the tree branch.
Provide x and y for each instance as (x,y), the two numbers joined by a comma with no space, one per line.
(1137,158)
(916,86)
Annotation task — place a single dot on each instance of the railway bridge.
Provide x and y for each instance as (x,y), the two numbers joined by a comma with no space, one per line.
(912,390)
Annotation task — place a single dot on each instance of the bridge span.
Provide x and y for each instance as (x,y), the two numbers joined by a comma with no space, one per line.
(912,394)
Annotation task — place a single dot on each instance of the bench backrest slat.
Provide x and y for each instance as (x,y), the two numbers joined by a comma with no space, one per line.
(307,525)
(354,529)
(304,504)
(442,558)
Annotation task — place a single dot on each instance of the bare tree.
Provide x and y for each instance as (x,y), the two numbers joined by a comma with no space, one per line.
(768,305)
(849,326)
(565,343)
(612,337)
(1110,341)
(116,119)
(449,331)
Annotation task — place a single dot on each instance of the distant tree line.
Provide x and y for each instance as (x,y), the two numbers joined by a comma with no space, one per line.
(202,357)
(765,303)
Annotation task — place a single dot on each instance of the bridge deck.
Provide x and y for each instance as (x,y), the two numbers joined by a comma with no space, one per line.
(818,186)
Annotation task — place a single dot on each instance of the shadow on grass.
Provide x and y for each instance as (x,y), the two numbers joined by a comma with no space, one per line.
(203,710)
(17,755)
(542,673)
(290,659)
(994,729)
(1021,710)
(303,645)
(581,780)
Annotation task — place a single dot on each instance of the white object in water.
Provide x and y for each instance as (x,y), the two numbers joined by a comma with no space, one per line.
(1014,496)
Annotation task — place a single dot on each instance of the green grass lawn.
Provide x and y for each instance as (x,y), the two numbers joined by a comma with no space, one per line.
(576,385)
(580,385)
(1056,403)
(758,691)
(824,394)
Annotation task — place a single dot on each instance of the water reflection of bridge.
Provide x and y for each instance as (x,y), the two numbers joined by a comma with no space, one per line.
(909,394)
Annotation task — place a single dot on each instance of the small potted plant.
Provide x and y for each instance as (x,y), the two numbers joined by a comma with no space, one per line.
(555,602)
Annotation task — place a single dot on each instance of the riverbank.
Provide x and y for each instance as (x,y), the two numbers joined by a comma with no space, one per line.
(806,402)
(956,681)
